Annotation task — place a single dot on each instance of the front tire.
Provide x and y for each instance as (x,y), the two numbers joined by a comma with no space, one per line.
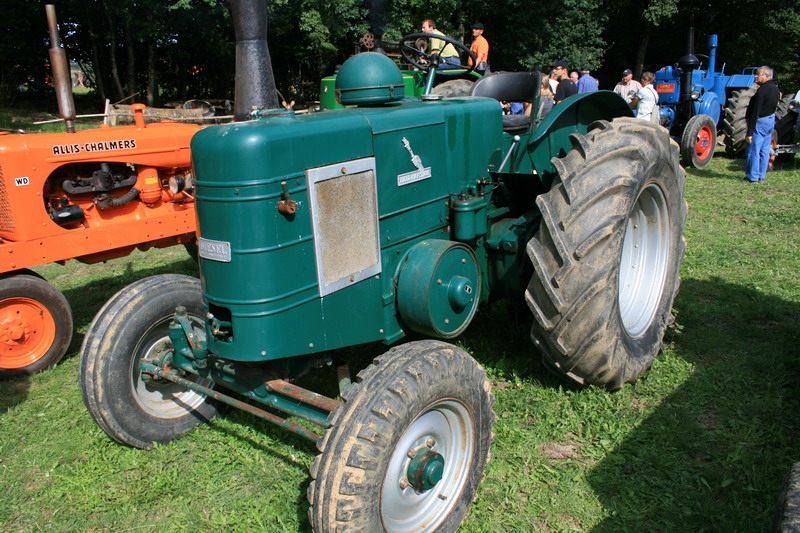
(698,141)
(607,253)
(35,324)
(407,449)
(130,326)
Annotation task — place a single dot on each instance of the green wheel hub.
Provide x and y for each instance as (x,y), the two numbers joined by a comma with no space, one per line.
(425,469)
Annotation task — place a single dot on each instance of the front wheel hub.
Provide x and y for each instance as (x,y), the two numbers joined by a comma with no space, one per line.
(425,469)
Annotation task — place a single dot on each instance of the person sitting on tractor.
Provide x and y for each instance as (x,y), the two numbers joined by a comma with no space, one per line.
(445,50)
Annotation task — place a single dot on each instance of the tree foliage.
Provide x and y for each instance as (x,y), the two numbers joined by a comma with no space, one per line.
(156,50)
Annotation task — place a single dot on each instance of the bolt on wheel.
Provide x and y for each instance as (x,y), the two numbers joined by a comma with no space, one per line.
(428,464)
(407,448)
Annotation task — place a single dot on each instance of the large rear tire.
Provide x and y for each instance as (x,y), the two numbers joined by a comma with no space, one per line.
(453,88)
(35,324)
(785,120)
(787,513)
(734,125)
(130,326)
(408,447)
(607,253)
(698,142)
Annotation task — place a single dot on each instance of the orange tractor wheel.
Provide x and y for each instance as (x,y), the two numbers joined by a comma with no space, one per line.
(35,324)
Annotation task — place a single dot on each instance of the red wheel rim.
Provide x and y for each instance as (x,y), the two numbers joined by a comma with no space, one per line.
(705,142)
(27,331)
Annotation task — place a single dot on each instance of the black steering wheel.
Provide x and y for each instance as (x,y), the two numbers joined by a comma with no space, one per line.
(415,56)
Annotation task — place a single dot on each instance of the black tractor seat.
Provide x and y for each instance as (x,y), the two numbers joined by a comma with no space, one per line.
(510,87)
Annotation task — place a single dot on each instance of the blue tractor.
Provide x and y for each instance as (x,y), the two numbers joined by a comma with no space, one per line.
(691,101)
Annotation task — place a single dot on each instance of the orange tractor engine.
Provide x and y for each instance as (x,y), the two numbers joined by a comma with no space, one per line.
(92,195)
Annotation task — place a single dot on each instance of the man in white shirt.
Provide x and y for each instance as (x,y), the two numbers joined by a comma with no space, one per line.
(626,85)
(646,99)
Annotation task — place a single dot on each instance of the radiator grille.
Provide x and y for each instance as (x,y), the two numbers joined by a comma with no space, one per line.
(345,216)
(6,219)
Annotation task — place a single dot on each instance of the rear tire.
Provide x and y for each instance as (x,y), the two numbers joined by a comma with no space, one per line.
(453,88)
(426,396)
(734,125)
(129,326)
(607,253)
(35,324)
(698,141)
(787,514)
(785,120)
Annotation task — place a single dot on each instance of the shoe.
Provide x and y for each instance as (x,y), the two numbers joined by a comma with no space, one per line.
(750,181)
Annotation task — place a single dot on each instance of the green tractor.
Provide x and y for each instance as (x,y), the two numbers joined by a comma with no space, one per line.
(395,215)
(426,69)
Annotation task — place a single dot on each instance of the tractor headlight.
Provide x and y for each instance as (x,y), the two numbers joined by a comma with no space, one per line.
(695,95)
(176,184)
(794,104)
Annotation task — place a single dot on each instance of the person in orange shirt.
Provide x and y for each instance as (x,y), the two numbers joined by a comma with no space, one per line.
(480,47)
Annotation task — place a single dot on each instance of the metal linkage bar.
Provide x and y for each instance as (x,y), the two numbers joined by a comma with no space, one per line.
(211,393)
(303,395)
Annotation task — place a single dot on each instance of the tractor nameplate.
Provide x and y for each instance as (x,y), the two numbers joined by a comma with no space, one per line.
(214,250)
(422,172)
(665,88)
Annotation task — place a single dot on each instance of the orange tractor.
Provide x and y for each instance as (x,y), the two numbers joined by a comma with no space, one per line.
(90,195)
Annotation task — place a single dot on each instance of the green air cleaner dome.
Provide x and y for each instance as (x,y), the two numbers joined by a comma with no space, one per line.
(367,79)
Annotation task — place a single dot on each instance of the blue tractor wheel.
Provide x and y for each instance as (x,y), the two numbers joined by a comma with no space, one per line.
(698,141)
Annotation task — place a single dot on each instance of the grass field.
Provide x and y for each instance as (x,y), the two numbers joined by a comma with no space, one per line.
(701,443)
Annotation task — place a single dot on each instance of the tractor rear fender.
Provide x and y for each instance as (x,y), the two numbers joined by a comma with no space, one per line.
(573,115)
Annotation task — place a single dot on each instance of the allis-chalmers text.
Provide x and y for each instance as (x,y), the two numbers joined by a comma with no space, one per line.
(101,146)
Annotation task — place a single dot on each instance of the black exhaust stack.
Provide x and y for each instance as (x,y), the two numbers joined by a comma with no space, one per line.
(62,81)
(255,83)
(688,64)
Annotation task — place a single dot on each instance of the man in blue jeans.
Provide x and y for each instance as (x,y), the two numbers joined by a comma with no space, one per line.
(760,118)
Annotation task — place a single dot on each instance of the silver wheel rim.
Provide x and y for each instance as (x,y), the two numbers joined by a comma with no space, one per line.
(643,264)
(164,400)
(449,424)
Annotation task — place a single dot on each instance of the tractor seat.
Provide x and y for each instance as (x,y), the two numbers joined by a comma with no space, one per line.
(510,87)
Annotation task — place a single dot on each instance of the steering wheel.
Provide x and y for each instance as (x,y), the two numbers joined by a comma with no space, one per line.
(415,56)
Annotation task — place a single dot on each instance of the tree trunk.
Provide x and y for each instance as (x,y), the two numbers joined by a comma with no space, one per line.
(113,53)
(152,85)
(97,67)
(131,51)
(642,50)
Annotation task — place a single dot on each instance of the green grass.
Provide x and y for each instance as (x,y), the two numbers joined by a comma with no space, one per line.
(700,443)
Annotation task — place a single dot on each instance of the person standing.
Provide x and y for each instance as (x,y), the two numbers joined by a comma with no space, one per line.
(553,81)
(760,119)
(646,99)
(626,85)
(566,87)
(587,83)
(480,47)
(446,51)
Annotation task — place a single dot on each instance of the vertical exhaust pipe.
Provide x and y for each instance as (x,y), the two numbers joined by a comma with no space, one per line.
(688,64)
(61,77)
(255,83)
